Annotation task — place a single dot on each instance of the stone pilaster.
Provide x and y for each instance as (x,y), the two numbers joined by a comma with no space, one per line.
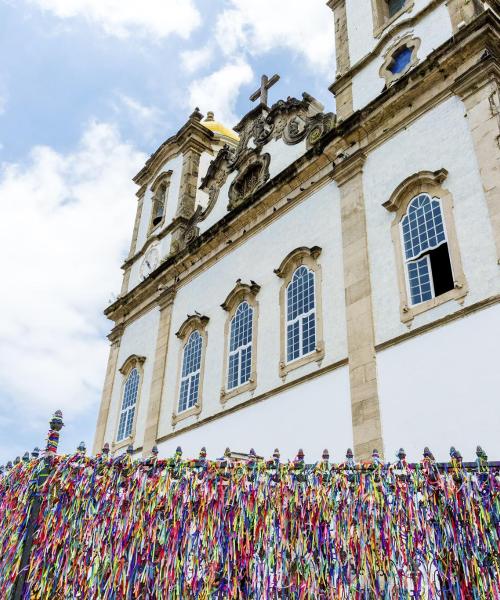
(133,245)
(166,303)
(343,94)
(480,92)
(115,338)
(366,421)
(462,12)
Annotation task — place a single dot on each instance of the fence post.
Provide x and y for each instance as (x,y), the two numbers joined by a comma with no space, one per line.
(56,424)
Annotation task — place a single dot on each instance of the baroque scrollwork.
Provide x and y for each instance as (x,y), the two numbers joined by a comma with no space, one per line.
(291,120)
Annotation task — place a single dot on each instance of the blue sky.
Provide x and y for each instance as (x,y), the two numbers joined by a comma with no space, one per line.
(89,88)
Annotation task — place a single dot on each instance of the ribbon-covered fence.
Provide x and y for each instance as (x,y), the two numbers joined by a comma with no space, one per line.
(117,528)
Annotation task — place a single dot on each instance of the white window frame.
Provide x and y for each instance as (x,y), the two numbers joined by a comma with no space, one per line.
(239,350)
(190,376)
(301,318)
(422,253)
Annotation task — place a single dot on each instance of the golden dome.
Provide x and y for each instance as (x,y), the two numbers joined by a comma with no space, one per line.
(220,129)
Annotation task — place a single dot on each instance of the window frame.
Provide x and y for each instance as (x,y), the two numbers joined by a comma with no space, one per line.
(191,324)
(162,179)
(240,293)
(133,362)
(430,183)
(381,18)
(410,42)
(307,257)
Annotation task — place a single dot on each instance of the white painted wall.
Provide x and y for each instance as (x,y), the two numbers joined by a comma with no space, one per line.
(316,221)
(442,389)
(312,416)
(439,139)
(433,30)
(138,338)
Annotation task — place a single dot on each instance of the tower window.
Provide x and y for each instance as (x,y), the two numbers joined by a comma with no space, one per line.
(427,258)
(240,347)
(191,369)
(401,59)
(301,315)
(395,6)
(159,204)
(129,401)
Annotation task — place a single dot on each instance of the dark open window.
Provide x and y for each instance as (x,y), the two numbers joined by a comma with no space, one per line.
(395,6)
(426,251)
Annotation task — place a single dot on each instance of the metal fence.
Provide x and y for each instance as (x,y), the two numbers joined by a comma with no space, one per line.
(245,527)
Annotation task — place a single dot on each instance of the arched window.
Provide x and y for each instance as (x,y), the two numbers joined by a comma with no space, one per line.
(159,204)
(159,200)
(240,347)
(428,266)
(129,402)
(301,327)
(301,314)
(191,369)
(239,373)
(428,261)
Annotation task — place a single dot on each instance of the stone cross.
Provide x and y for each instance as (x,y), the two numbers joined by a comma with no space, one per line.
(265,85)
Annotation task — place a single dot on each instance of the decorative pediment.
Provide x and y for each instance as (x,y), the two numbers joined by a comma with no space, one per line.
(291,120)
(254,173)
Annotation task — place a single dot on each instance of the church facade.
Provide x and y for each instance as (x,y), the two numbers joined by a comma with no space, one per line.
(312,279)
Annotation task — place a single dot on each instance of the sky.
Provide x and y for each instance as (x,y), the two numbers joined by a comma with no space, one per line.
(88,89)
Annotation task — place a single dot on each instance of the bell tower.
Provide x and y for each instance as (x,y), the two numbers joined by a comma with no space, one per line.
(378,41)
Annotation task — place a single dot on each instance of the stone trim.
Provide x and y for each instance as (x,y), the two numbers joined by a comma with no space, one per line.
(192,323)
(423,88)
(381,19)
(454,316)
(133,362)
(462,12)
(228,409)
(430,183)
(166,304)
(341,35)
(408,41)
(296,258)
(115,337)
(240,293)
(366,419)
(480,93)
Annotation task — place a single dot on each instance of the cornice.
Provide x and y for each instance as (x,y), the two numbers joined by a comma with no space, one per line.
(192,136)
(356,136)
(349,167)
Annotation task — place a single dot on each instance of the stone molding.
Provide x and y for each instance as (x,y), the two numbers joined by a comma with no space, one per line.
(242,292)
(408,41)
(293,260)
(193,323)
(132,362)
(423,88)
(431,183)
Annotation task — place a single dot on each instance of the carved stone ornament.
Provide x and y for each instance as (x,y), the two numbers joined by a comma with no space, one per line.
(291,120)
(251,178)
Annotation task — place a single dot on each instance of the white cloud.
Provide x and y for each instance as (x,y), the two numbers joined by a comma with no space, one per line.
(193,60)
(258,26)
(148,120)
(120,18)
(218,91)
(66,224)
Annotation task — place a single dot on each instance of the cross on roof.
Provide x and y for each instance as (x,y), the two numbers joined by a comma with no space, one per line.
(265,85)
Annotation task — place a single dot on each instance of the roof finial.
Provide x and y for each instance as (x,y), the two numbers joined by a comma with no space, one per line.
(210,116)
